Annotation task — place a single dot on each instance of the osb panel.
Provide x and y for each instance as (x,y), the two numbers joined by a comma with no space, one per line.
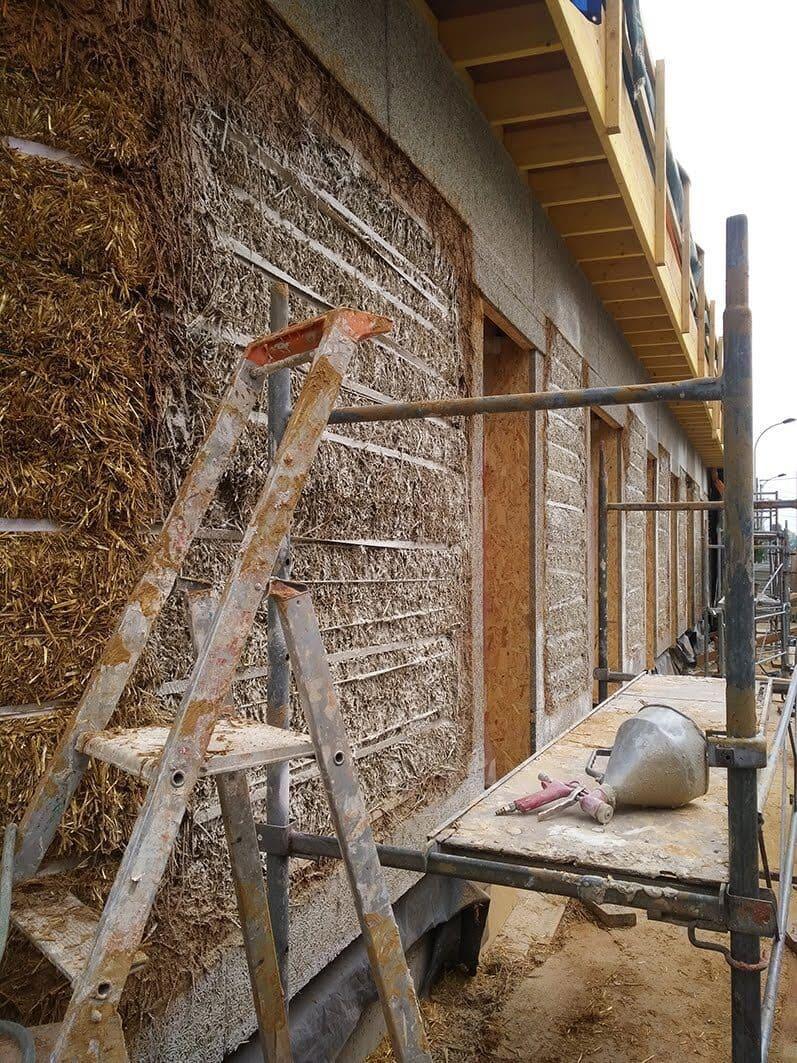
(698,525)
(683,589)
(508,631)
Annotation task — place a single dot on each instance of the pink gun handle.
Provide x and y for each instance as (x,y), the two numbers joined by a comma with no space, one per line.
(551,791)
(598,804)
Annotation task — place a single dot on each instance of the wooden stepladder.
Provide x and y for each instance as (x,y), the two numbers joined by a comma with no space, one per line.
(205,739)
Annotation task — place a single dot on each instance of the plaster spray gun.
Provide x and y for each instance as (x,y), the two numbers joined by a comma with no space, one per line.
(659,760)
(555,796)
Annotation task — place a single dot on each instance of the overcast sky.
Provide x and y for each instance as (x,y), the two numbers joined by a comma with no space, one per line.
(729,114)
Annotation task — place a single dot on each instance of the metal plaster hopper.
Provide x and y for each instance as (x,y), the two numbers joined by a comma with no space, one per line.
(658,760)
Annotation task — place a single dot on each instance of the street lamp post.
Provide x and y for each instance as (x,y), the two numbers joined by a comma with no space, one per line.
(775,424)
(778,476)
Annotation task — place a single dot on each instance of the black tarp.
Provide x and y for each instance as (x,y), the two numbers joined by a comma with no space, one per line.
(326,1012)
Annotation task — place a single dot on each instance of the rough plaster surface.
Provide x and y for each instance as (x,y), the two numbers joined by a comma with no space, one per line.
(635,477)
(566,651)
(383,528)
(386,55)
(663,521)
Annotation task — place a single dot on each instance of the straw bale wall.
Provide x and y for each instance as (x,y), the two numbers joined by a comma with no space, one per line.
(165,166)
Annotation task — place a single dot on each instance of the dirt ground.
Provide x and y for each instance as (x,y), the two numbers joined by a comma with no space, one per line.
(590,995)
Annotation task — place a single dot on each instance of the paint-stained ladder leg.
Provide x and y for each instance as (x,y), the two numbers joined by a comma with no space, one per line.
(350,817)
(250,892)
(268,991)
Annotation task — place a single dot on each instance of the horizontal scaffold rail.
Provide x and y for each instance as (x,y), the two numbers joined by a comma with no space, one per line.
(692,507)
(676,901)
(704,389)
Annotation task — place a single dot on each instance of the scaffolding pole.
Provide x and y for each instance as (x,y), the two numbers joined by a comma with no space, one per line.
(740,701)
(703,389)
(278,709)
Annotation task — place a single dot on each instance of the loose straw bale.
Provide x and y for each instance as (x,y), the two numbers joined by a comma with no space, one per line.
(101,816)
(72,401)
(79,221)
(87,115)
(65,586)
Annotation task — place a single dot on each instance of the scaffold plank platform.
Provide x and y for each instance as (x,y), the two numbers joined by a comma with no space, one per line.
(687,845)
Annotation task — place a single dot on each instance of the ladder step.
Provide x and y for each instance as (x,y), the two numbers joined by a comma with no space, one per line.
(236,745)
(62,928)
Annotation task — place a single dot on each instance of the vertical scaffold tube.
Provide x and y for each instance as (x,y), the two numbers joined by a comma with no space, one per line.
(740,701)
(279,669)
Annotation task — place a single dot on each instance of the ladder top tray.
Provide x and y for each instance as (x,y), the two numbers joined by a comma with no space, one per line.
(237,744)
(688,845)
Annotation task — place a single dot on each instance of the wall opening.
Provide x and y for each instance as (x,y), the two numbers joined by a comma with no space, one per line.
(509,605)
(608,435)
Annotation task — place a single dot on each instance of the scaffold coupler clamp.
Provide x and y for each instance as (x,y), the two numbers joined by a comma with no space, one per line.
(724,751)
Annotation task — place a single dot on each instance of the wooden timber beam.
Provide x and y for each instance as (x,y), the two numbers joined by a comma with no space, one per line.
(492,36)
(712,337)
(604,245)
(558,144)
(666,372)
(637,310)
(551,94)
(623,291)
(662,358)
(578,219)
(686,264)
(701,315)
(630,268)
(665,336)
(592,56)
(656,350)
(574,184)
(637,326)
(614,65)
